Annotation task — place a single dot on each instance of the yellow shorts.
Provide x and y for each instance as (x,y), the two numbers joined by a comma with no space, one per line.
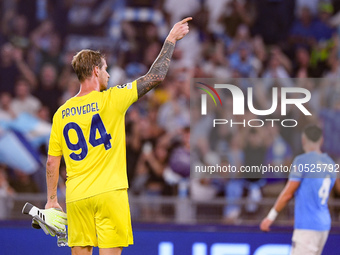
(102,220)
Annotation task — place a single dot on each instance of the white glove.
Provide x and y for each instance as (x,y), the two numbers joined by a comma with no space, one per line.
(38,225)
(50,220)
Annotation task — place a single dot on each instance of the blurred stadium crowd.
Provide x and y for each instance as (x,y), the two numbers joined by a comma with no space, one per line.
(266,39)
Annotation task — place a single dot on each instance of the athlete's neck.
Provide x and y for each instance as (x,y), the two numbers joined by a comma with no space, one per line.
(312,147)
(89,85)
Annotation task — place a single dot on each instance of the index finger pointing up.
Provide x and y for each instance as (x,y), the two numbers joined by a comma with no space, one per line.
(185,20)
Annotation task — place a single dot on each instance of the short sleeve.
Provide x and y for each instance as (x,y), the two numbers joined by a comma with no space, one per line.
(295,172)
(54,147)
(124,95)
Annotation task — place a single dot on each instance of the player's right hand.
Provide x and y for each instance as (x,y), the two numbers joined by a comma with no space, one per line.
(265,224)
(179,30)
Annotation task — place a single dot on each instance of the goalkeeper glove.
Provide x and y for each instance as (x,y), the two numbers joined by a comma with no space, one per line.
(52,221)
(38,225)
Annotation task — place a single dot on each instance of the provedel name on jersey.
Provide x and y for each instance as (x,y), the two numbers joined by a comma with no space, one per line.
(84,109)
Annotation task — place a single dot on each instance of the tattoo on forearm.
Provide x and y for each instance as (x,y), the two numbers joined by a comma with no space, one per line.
(54,191)
(157,71)
(49,173)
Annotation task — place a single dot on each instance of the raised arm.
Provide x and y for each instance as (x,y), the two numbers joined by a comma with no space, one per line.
(24,68)
(160,67)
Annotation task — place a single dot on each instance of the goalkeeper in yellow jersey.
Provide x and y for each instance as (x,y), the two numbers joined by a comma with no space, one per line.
(89,131)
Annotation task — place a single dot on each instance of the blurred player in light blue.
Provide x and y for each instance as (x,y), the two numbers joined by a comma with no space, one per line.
(311,179)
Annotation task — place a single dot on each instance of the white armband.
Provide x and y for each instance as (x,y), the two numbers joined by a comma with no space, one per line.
(272,214)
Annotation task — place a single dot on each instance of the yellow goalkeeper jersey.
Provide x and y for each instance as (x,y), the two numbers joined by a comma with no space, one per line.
(89,131)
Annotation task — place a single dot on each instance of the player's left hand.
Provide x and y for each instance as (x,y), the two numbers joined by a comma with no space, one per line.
(52,220)
(265,224)
(53,204)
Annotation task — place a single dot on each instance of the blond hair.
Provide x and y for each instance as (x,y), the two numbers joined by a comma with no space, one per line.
(84,62)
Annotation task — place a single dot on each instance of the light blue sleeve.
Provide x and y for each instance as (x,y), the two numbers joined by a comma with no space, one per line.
(296,174)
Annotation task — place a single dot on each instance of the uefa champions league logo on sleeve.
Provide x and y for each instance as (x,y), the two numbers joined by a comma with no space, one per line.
(243,100)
